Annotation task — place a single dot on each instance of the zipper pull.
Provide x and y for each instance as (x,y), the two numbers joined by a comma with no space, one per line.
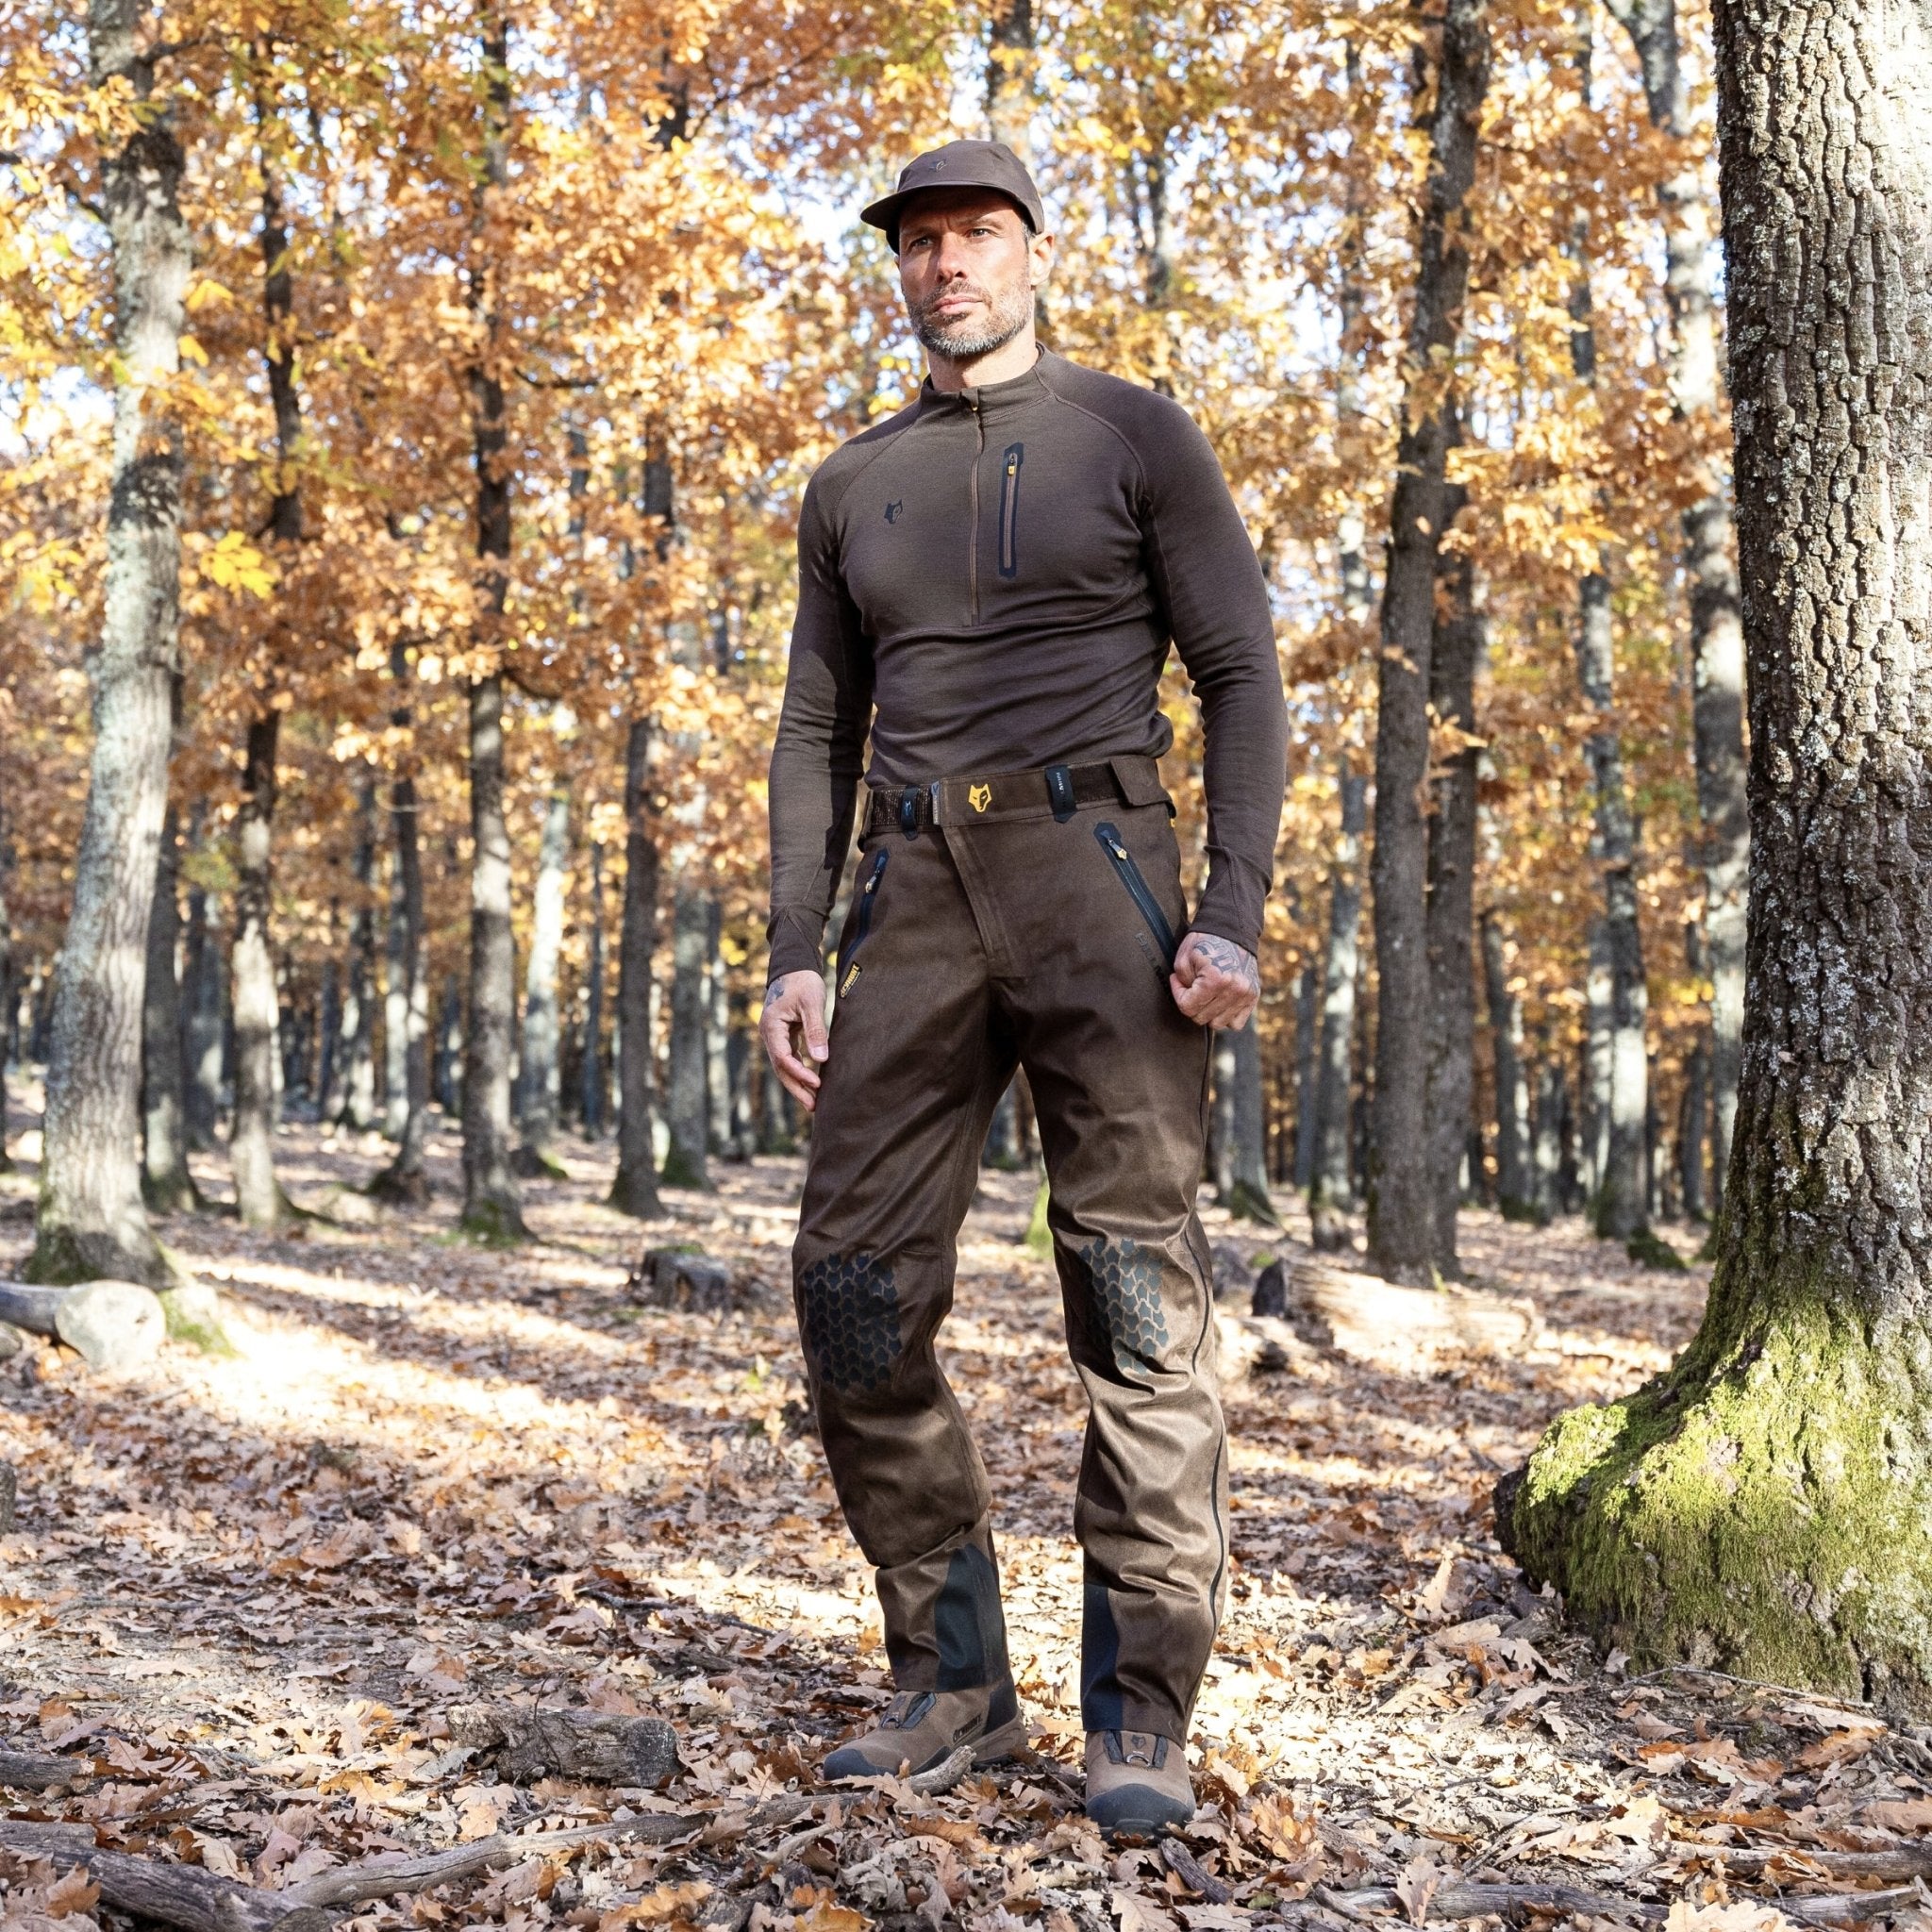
(850,981)
(1117,850)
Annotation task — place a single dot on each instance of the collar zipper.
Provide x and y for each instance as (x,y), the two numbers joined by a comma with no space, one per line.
(973,551)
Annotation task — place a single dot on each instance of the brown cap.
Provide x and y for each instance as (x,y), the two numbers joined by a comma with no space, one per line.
(960,164)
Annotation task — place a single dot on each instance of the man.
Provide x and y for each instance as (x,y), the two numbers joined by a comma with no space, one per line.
(989,582)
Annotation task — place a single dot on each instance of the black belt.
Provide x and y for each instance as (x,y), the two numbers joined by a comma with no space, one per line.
(1053,791)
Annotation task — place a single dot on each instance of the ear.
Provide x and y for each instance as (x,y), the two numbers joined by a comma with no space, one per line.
(1040,253)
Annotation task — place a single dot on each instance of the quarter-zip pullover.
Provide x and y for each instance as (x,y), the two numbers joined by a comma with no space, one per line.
(989,581)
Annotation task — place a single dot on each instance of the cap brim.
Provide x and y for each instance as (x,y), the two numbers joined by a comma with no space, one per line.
(884,212)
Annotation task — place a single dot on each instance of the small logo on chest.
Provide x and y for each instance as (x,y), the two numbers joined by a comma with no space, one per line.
(893,508)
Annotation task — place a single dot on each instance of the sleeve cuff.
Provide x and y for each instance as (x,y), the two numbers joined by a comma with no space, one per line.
(796,936)
(1229,922)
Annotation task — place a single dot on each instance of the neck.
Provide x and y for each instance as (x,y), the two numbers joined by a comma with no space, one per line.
(975,372)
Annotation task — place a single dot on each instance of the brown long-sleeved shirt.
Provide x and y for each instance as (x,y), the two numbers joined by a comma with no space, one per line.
(989,582)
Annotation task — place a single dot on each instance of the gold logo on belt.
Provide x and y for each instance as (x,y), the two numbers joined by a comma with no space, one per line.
(979,796)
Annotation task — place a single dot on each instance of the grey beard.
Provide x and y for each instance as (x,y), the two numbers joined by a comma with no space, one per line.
(965,341)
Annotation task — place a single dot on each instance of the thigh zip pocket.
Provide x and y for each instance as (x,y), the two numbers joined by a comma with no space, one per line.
(861,922)
(1138,890)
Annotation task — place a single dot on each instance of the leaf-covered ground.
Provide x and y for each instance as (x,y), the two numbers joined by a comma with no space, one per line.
(246,1595)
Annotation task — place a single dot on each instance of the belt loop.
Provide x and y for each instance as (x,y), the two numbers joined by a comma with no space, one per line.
(1059,789)
(909,811)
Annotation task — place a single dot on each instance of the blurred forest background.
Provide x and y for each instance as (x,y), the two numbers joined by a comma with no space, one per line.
(487,352)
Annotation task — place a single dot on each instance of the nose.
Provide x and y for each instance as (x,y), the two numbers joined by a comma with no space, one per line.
(949,257)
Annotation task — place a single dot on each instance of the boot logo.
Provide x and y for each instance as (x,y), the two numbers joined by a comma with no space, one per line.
(979,796)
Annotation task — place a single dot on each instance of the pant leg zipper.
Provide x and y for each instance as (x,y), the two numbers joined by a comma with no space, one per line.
(848,967)
(1138,890)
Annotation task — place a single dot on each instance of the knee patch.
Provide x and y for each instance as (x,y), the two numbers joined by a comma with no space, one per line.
(1123,1292)
(848,1319)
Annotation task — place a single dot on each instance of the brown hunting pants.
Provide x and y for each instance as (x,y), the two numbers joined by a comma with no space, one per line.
(1027,926)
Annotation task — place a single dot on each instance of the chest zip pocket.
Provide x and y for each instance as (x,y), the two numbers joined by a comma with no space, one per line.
(1139,890)
(861,924)
(1010,459)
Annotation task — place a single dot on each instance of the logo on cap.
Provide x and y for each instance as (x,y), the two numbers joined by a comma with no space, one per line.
(893,509)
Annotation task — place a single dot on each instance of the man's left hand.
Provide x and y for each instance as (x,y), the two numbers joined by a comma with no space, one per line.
(1216,983)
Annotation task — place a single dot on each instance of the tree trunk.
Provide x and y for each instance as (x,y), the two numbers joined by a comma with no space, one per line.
(634,1190)
(1002,1145)
(1308,1070)
(541,1081)
(447,1084)
(1693,1118)
(1717,637)
(717,1032)
(492,1208)
(1516,1188)
(1402,1221)
(1552,1103)
(90,1221)
(357,1046)
(201,1018)
(592,1087)
(1451,918)
(1221,1115)
(166,1184)
(1247,1196)
(1331,1193)
(1010,74)
(775,1131)
(1618,1209)
(1765,1506)
(685,1165)
(259,1196)
(405,1016)
(1594,1138)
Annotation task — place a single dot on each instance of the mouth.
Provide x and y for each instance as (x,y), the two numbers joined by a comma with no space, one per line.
(952,305)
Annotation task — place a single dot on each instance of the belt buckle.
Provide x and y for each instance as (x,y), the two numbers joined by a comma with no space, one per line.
(909,811)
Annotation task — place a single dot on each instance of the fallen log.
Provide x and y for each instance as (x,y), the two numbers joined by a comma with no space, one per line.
(1458,1900)
(1381,1321)
(183,1896)
(591,1746)
(398,1872)
(23,1772)
(1900,1861)
(115,1324)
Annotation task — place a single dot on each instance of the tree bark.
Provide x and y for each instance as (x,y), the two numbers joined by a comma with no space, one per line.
(90,1221)
(1010,74)
(1693,1127)
(258,1195)
(492,1210)
(1402,1221)
(201,1018)
(356,1044)
(166,1184)
(1308,1070)
(593,1087)
(1765,1506)
(540,1074)
(685,1165)
(1552,1103)
(717,1033)
(1331,1193)
(406,1017)
(1247,1150)
(1516,1188)
(1717,637)
(634,1189)
(1451,918)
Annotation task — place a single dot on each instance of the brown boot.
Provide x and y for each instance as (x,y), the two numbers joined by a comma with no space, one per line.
(1136,1782)
(920,1730)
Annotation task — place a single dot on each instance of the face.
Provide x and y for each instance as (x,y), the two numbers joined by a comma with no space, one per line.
(968,265)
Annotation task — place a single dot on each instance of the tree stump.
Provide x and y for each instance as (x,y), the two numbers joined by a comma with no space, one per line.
(682,1278)
(1380,1322)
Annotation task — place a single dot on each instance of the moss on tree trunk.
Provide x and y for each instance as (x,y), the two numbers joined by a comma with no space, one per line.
(1766,1507)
